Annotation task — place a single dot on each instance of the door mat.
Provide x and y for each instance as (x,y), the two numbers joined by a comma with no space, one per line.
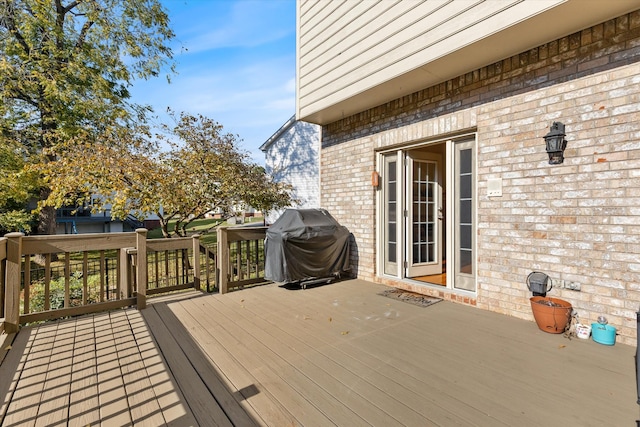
(410,297)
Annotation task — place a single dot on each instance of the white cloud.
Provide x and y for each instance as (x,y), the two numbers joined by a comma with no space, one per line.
(239,70)
(238,24)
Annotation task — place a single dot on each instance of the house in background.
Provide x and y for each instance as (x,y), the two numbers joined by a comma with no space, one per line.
(433,154)
(291,156)
(81,220)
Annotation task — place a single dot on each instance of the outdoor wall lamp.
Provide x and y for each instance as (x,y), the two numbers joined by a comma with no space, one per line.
(556,143)
(375,179)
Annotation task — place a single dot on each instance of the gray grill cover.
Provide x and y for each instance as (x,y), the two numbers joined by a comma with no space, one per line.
(304,244)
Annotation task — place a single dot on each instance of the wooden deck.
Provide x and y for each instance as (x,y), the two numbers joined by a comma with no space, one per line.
(338,354)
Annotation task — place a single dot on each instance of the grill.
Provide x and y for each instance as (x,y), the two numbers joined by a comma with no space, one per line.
(306,246)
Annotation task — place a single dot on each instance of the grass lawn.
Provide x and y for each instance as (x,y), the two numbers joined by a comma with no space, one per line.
(205,227)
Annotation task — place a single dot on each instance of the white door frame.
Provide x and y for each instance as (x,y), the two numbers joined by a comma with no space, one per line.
(449,231)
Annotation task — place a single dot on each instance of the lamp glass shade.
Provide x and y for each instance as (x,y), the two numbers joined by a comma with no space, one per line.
(555,143)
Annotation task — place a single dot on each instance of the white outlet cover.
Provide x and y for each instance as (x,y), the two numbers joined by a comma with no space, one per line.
(494,187)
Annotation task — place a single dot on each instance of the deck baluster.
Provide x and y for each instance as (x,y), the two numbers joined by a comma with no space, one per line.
(196,261)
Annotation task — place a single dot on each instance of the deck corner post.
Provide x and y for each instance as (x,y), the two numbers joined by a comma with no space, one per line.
(196,261)
(141,267)
(222,260)
(12,292)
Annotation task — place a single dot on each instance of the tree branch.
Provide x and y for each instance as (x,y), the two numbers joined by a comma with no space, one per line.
(24,97)
(70,6)
(11,26)
(83,34)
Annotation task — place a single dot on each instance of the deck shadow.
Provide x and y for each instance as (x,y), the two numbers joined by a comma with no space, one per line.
(209,398)
(10,368)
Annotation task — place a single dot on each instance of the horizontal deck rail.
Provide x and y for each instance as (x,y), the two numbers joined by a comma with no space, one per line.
(48,277)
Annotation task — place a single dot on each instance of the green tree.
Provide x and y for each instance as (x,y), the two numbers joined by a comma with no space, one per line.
(209,172)
(65,72)
(202,170)
(262,193)
(119,171)
(17,186)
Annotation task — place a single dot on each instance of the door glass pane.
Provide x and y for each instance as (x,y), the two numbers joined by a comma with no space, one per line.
(466,157)
(465,241)
(466,211)
(465,237)
(465,218)
(391,170)
(424,211)
(466,262)
(466,186)
(390,214)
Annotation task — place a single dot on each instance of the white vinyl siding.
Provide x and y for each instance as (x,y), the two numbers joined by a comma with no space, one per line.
(360,52)
(291,157)
(347,47)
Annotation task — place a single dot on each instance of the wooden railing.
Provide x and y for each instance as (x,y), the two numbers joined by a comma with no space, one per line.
(47,277)
(241,257)
(169,264)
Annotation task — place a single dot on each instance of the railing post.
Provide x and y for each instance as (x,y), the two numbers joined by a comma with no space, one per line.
(12,293)
(196,261)
(222,260)
(141,267)
(3,273)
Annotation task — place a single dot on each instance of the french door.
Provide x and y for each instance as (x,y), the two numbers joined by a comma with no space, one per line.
(426,211)
(424,214)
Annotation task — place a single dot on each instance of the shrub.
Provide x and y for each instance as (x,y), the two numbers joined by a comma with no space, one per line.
(56,292)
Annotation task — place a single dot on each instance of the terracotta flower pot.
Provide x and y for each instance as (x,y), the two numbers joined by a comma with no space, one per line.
(552,314)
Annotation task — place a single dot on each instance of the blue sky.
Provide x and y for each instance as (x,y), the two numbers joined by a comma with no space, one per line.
(235,61)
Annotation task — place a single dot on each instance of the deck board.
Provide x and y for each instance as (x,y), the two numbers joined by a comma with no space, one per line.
(454,365)
(111,388)
(141,400)
(273,413)
(276,362)
(335,329)
(205,408)
(5,344)
(83,399)
(169,396)
(338,354)
(12,368)
(246,357)
(23,409)
(54,407)
(364,372)
(231,402)
(372,403)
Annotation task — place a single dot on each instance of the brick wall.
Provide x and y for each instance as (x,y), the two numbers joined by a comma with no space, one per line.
(578,222)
